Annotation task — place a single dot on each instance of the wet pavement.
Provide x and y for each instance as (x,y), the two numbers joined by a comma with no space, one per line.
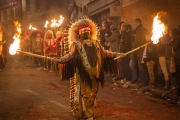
(28,92)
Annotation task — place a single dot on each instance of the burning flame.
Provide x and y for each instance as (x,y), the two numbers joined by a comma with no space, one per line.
(57,23)
(31,27)
(15,45)
(158,29)
(46,24)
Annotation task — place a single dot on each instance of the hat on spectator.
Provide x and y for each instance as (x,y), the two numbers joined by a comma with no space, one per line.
(125,25)
(113,27)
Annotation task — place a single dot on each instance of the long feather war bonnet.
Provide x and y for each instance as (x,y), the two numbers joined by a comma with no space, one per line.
(74,29)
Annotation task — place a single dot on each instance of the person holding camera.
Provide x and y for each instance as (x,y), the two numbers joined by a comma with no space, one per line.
(105,32)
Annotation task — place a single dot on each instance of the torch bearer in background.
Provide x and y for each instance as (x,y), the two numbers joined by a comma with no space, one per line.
(57,23)
(31,28)
(158,30)
(15,46)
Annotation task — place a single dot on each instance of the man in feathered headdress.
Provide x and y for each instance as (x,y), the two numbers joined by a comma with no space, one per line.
(86,63)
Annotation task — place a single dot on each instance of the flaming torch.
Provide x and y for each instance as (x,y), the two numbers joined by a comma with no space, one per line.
(31,27)
(158,30)
(57,23)
(46,24)
(15,45)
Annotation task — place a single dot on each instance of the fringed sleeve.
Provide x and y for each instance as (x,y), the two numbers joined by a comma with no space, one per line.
(66,65)
(110,65)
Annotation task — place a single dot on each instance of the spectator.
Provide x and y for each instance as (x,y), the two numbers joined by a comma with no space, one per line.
(109,20)
(118,77)
(162,60)
(119,27)
(139,39)
(105,31)
(176,57)
(125,46)
(150,59)
(168,57)
(113,39)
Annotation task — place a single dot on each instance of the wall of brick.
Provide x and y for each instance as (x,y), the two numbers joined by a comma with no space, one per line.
(146,10)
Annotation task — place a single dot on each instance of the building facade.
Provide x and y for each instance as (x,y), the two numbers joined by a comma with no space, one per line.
(10,10)
(37,12)
(34,12)
(147,10)
(97,10)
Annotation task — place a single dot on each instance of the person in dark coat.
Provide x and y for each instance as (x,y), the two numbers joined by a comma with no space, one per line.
(139,39)
(125,46)
(176,50)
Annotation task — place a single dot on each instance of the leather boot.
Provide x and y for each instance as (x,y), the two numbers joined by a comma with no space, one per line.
(176,91)
(166,86)
(171,90)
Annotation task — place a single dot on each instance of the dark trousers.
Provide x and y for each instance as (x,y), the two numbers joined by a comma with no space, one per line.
(178,73)
(1,62)
(48,64)
(143,72)
(125,69)
(172,76)
(133,64)
(37,60)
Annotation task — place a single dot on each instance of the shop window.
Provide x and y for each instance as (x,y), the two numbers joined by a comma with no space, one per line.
(3,15)
(10,14)
(16,13)
(28,6)
(38,5)
(49,4)
(3,1)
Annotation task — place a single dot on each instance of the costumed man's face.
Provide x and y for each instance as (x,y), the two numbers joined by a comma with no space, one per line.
(84,34)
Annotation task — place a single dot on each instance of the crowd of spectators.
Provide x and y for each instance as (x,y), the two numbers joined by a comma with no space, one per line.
(153,65)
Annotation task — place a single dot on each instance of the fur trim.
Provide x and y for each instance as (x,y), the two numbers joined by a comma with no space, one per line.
(73,30)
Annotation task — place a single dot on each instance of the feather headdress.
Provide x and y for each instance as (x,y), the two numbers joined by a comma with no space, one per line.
(80,24)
